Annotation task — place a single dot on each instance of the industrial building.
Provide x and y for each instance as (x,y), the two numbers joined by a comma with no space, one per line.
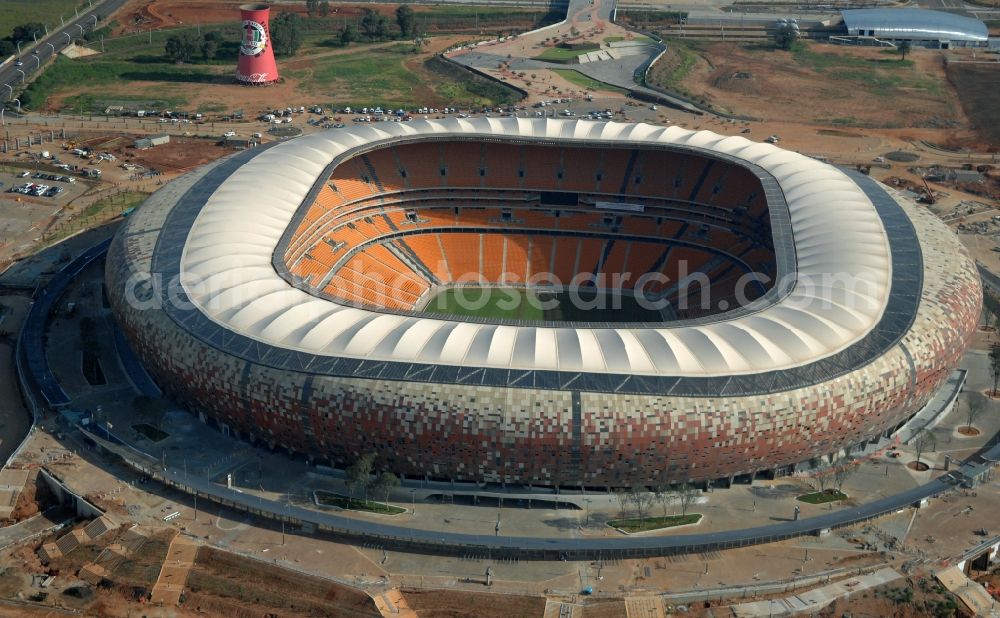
(919,26)
(153,140)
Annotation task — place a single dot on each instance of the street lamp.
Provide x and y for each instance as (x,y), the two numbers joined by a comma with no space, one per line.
(53,48)
(18,43)
(11,88)
(22,74)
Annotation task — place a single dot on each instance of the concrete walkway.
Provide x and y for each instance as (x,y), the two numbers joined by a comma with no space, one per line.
(174,572)
(972,594)
(815,599)
(392,604)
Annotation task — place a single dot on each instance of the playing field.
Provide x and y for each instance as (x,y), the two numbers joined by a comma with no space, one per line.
(539,305)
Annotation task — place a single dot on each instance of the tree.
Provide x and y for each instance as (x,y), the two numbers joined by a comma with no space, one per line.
(324,8)
(404,19)
(904,48)
(924,440)
(785,36)
(358,475)
(843,472)
(419,40)
(181,47)
(385,483)
(661,491)
(374,25)
(623,499)
(995,366)
(210,45)
(28,31)
(286,34)
(975,406)
(687,495)
(642,500)
(348,35)
(312,7)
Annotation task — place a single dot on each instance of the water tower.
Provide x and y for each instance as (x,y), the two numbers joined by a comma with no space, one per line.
(256,65)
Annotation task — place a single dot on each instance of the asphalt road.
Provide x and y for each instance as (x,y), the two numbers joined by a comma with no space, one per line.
(12,76)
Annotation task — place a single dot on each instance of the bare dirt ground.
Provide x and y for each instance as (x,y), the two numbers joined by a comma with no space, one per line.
(180,155)
(977,84)
(143,14)
(771,84)
(448,604)
(228,585)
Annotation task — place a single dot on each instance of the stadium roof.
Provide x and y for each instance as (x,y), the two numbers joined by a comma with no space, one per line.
(919,24)
(840,244)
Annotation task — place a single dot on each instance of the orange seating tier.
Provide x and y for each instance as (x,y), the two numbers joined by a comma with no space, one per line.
(428,249)
(493,256)
(462,250)
(565,261)
(516,262)
(540,256)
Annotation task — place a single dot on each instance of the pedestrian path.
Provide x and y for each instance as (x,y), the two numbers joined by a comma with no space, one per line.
(392,604)
(816,599)
(174,572)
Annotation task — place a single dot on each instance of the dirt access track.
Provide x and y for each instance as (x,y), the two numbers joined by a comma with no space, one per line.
(143,14)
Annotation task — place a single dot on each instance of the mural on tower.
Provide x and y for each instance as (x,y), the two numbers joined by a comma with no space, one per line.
(256,62)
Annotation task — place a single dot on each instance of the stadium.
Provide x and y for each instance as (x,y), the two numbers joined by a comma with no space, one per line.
(548,302)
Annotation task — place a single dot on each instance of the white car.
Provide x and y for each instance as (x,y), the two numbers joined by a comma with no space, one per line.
(229,134)
(19,63)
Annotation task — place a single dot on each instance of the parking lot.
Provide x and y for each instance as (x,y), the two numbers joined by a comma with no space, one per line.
(36,185)
(30,201)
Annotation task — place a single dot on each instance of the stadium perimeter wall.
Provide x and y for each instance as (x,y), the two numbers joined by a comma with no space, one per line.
(559,437)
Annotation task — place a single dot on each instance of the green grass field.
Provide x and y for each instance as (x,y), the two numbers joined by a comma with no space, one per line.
(363,76)
(822,497)
(638,38)
(885,77)
(533,305)
(654,523)
(17,12)
(328,498)
(584,81)
(67,74)
(563,55)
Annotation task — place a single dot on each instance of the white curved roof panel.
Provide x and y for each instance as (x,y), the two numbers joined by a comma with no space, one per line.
(841,251)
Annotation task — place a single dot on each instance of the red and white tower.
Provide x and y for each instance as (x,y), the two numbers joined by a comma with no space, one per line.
(256,64)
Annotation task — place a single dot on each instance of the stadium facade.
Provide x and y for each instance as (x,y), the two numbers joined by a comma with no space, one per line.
(278,293)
